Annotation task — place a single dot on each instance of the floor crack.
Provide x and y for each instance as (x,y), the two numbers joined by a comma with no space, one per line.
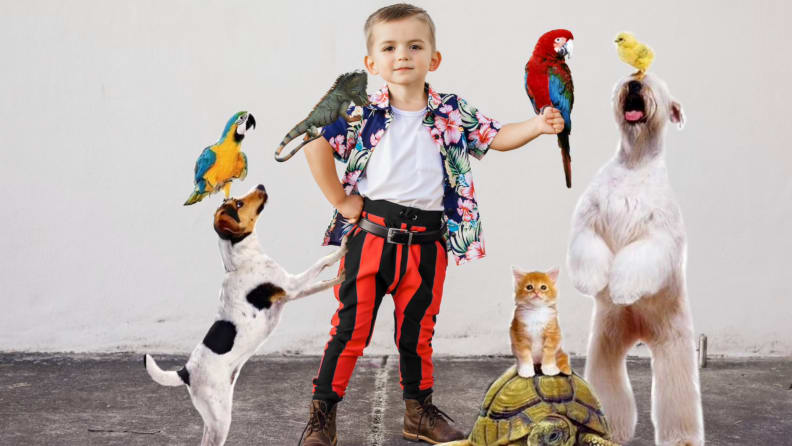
(376,436)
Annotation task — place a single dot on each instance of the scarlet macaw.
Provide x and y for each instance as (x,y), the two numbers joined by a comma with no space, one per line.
(548,83)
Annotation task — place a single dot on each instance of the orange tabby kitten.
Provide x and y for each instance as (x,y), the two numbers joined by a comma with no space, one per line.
(535,334)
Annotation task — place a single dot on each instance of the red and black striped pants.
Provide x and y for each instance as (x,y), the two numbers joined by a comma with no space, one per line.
(413,275)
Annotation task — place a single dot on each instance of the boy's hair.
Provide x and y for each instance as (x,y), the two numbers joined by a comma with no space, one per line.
(397,12)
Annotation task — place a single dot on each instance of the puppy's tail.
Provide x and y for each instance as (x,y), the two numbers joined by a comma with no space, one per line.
(166,378)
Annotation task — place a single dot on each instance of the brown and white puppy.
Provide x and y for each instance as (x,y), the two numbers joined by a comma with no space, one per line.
(627,250)
(254,291)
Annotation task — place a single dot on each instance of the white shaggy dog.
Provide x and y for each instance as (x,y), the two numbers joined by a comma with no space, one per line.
(254,291)
(628,251)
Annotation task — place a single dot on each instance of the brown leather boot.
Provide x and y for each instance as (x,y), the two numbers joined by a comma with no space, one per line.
(321,427)
(425,422)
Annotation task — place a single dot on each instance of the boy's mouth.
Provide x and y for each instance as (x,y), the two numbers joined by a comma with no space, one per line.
(403,69)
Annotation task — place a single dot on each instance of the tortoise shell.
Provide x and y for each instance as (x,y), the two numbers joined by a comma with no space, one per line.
(514,404)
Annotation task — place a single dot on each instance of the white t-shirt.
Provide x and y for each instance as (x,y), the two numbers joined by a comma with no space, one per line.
(405,167)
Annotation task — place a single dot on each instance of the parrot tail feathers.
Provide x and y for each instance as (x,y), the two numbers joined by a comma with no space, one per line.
(563,143)
(195,198)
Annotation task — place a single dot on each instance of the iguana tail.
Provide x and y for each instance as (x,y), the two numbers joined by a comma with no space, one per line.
(298,130)
(293,151)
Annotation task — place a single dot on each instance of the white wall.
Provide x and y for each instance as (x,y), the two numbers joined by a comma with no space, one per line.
(104,107)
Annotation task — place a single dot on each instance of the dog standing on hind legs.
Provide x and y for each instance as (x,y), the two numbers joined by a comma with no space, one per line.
(254,291)
(628,251)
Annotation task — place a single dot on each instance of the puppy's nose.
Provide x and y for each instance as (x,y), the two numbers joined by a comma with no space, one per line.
(634,87)
(261,188)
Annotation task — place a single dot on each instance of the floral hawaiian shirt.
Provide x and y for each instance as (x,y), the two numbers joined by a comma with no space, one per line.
(458,129)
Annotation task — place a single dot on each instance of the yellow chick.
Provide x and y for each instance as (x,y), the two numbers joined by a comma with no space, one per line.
(634,53)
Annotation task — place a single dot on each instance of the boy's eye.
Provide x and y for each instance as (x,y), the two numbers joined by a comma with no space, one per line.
(388,48)
(415,47)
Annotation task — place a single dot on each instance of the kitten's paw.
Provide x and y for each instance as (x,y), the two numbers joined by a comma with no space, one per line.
(526,371)
(550,369)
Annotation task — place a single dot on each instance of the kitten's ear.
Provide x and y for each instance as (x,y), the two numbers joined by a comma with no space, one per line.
(517,274)
(553,274)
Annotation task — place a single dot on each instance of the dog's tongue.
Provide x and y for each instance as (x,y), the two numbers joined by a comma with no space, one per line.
(633,115)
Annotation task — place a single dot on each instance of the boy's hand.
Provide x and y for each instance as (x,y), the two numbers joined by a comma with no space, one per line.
(551,121)
(351,207)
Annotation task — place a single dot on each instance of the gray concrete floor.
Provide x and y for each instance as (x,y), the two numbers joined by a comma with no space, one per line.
(110,400)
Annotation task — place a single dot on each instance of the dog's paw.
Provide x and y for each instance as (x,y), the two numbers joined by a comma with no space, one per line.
(589,261)
(526,371)
(626,289)
(550,369)
(590,284)
(340,278)
(624,297)
(342,250)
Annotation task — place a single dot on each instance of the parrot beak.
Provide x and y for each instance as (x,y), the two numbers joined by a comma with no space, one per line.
(566,49)
(251,122)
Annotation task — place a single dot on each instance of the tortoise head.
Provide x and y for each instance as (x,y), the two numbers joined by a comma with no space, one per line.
(554,430)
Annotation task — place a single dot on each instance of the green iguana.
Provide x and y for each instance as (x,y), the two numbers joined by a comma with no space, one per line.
(348,88)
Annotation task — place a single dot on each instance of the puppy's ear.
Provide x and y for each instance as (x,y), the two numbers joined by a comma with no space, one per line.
(676,114)
(225,229)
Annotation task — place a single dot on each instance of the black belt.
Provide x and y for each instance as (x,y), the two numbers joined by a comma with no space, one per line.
(401,236)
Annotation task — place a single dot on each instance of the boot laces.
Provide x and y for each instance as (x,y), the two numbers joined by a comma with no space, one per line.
(432,413)
(316,422)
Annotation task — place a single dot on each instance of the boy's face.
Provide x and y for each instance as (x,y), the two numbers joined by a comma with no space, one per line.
(401,52)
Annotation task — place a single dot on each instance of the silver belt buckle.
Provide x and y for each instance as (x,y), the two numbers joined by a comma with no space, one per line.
(393,231)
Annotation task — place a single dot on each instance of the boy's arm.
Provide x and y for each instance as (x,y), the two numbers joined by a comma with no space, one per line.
(319,154)
(517,134)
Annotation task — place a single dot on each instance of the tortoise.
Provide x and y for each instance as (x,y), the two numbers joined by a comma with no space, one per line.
(559,410)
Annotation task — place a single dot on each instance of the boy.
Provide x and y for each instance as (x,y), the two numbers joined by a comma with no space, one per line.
(409,200)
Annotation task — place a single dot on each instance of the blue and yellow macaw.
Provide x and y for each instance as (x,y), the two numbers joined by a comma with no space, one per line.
(222,161)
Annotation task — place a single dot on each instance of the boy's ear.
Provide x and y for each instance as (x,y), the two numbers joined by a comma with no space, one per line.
(370,67)
(435,62)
